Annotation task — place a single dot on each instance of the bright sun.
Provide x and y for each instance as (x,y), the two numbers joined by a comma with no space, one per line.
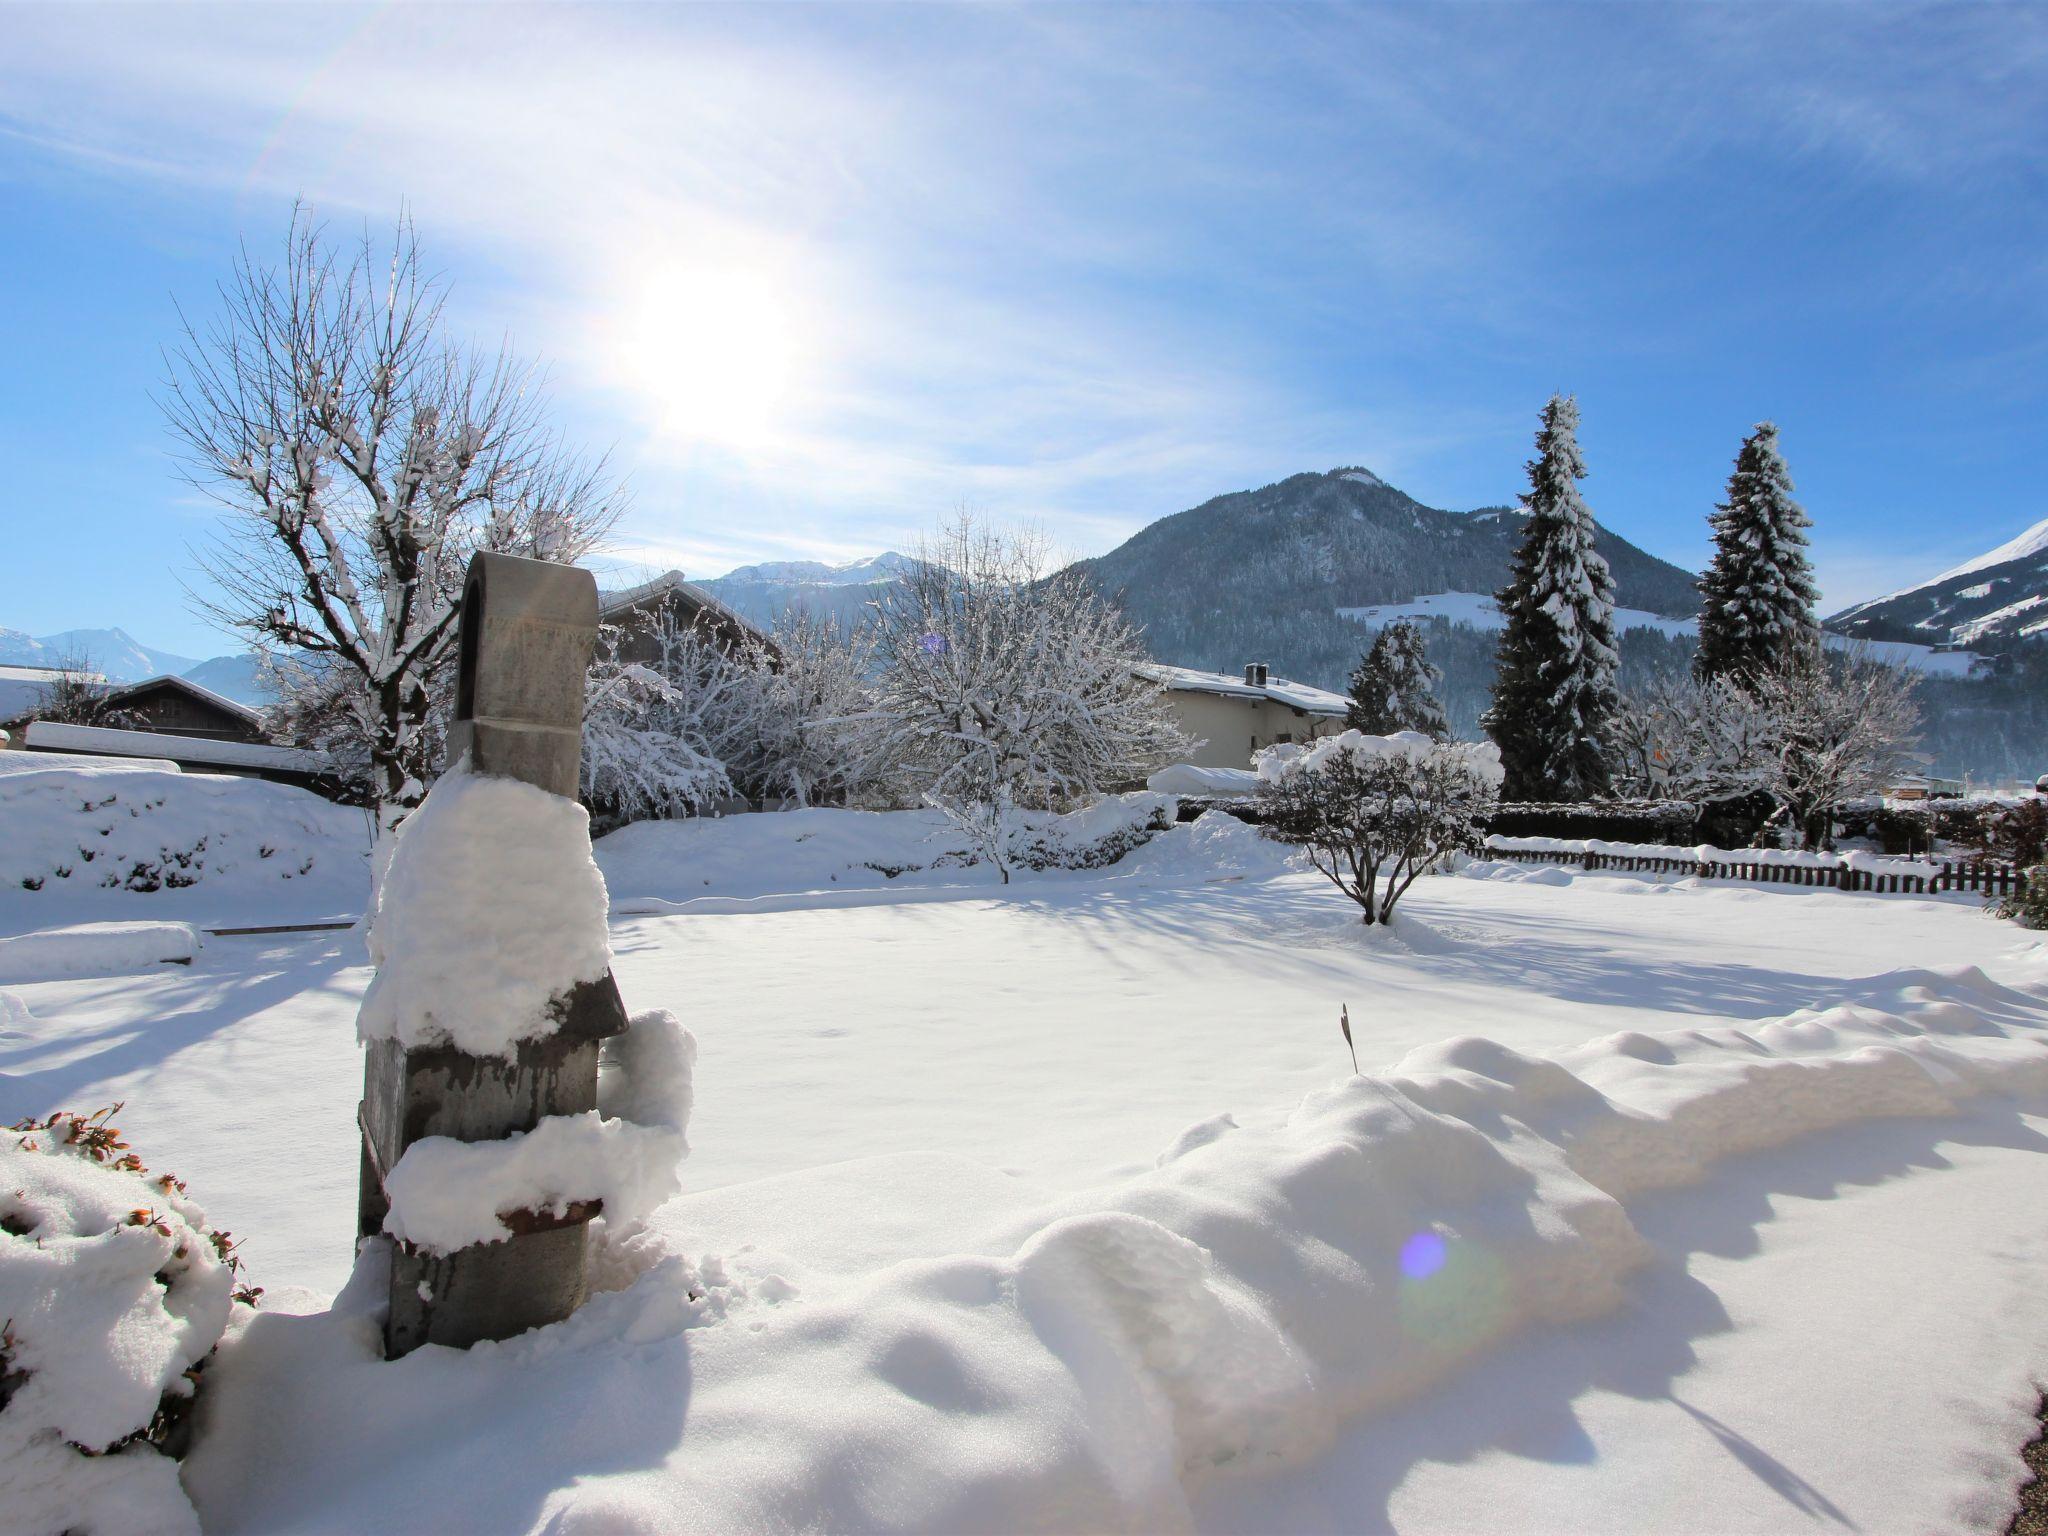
(713,351)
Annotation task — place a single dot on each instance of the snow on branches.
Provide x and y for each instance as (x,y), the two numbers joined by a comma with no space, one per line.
(1558,656)
(1006,688)
(1373,813)
(1809,733)
(363,457)
(1393,688)
(1758,594)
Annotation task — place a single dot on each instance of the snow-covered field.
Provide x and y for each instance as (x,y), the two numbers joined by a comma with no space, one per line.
(1056,1206)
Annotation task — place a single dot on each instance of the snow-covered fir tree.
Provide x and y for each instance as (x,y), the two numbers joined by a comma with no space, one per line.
(1393,687)
(1555,688)
(1759,591)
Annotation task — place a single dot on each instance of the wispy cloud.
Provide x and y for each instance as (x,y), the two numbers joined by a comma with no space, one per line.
(1086,265)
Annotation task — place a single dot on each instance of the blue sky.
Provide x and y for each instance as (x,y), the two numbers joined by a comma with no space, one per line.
(816,276)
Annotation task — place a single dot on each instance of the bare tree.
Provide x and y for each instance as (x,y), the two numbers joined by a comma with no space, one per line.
(1846,725)
(644,754)
(1374,813)
(675,732)
(1687,739)
(363,456)
(1012,689)
(76,695)
(825,740)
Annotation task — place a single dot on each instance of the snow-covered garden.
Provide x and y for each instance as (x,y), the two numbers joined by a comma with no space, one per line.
(1056,1204)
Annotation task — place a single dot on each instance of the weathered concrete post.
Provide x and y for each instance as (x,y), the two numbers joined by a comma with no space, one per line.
(528,629)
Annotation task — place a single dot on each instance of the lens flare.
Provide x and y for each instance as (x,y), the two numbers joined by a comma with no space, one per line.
(1423,1255)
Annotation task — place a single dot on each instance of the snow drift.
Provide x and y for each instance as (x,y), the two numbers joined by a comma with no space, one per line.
(139,841)
(1220,1315)
(96,949)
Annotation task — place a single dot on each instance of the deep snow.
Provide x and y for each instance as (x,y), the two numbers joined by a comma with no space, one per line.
(1056,1207)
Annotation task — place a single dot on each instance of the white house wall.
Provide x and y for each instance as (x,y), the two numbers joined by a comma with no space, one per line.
(1232,728)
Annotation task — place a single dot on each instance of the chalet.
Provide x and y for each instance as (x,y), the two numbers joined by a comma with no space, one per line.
(637,609)
(1232,717)
(176,706)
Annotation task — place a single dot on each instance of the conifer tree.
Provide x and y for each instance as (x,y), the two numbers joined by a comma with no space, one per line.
(1555,690)
(1759,593)
(1393,687)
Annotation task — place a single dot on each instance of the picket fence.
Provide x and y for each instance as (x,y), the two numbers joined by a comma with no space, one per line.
(1951,874)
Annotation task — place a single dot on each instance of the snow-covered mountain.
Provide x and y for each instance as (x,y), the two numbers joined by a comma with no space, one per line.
(1264,575)
(763,593)
(1988,603)
(120,658)
(815,573)
(114,653)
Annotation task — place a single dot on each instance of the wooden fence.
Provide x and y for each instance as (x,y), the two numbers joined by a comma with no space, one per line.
(1952,875)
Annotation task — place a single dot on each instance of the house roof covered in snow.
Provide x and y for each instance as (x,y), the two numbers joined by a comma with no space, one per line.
(186,686)
(1277,690)
(107,741)
(671,585)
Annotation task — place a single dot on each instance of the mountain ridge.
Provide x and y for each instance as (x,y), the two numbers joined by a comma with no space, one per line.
(1996,599)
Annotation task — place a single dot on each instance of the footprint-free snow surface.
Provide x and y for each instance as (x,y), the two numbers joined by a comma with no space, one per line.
(1656,1207)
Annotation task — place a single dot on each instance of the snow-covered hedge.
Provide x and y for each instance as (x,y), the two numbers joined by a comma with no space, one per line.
(1096,835)
(113,1294)
(1626,820)
(97,835)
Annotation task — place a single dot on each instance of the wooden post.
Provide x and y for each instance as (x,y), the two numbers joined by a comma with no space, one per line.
(528,628)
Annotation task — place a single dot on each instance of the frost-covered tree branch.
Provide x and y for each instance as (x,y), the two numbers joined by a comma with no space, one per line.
(1846,726)
(1685,739)
(1007,688)
(363,456)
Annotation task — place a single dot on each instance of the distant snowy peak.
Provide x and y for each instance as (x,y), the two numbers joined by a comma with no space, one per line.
(762,594)
(113,653)
(2033,542)
(1992,601)
(1358,475)
(854,573)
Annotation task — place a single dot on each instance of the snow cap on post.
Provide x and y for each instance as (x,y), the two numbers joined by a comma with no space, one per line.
(528,629)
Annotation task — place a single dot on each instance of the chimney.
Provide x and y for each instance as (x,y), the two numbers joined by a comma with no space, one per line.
(1255,674)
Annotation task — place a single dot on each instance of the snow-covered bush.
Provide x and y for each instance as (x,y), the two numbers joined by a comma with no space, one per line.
(823,739)
(2027,906)
(1096,836)
(1010,689)
(702,718)
(2015,833)
(113,1293)
(652,730)
(1374,812)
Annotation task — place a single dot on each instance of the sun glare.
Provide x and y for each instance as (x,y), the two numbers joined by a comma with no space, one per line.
(712,351)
